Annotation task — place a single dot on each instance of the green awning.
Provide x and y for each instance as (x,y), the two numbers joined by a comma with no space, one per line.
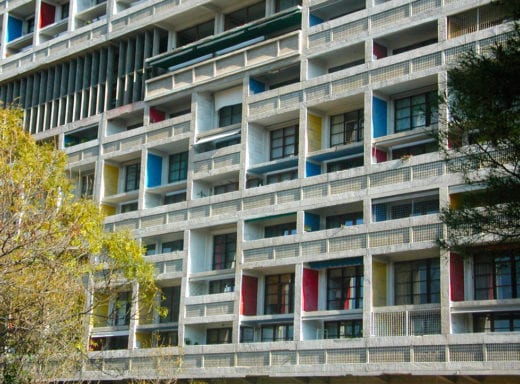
(266,27)
(346,262)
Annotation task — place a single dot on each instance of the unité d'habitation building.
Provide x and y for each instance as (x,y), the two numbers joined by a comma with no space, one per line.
(276,160)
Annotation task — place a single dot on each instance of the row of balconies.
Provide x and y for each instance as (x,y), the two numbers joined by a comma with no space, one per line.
(437,355)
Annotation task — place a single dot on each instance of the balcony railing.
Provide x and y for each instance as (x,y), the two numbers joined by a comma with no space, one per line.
(437,354)
(390,321)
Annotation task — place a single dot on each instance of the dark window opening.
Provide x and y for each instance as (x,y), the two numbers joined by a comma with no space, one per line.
(417,282)
(344,329)
(496,275)
(218,336)
(224,251)
(284,229)
(416,111)
(346,128)
(279,294)
(178,167)
(345,288)
(284,142)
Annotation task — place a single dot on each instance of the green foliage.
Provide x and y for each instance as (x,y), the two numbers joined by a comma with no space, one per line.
(484,134)
(47,239)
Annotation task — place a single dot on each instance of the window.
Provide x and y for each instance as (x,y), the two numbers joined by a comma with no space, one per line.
(244,15)
(121,309)
(345,219)
(280,5)
(175,198)
(414,150)
(172,246)
(284,142)
(277,332)
(129,207)
(284,229)
(132,175)
(218,336)
(108,343)
(87,185)
(229,115)
(177,167)
(279,294)
(340,165)
(224,251)
(190,35)
(65,11)
(30,24)
(170,300)
(417,282)
(345,287)
(496,322)
(282,176)
(343,329)
(221,286)
(496,275)
(151,249)
(166,339)
(407,207)
(346,128)
(225,188)
(416,111)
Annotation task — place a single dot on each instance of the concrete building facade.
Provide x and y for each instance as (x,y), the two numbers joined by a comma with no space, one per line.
(277,160)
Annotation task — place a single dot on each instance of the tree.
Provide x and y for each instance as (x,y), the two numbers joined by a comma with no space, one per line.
(47,239)
(484,143)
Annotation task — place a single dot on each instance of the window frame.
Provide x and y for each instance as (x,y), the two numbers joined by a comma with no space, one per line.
(351,277)
(497,287)
(355,326)
(132,177)
(282,229)
(285,330)
(280,289)
(249,15)
(287,140)
(225,258)
(413,286)
(415,115)
(178,167)
(230,115)
(171,298)
(346,133)
(222,335)
(338,221)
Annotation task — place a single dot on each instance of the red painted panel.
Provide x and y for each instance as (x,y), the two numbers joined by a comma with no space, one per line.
(456,277)
(248,295)
(380,155)
(310,290)
(156,115)
(47,14)
(379,51)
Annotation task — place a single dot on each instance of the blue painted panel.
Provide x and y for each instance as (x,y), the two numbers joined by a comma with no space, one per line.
(379,114)
(312,222)
(14,28)
(312,169)
(256,86)
(314,20)
(153,170)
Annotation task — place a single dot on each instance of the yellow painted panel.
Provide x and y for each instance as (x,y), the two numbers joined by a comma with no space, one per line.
(108,210)
(100,310)
(379,283)
(314,132)
(455,200)
(111,178)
